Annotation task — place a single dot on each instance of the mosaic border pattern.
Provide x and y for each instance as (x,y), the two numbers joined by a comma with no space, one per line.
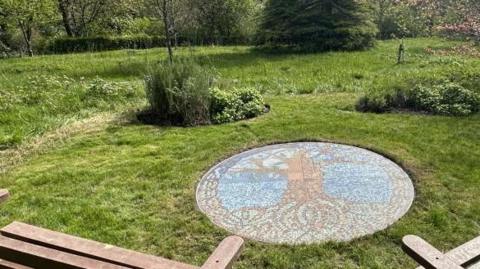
(302,193)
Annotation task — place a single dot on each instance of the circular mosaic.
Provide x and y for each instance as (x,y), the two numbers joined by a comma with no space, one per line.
(305,193)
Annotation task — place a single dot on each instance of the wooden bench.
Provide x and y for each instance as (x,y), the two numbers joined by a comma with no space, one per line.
(24,246)
(464,256)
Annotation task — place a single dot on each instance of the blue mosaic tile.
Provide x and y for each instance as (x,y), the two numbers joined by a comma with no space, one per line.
(362,183)
(249,189)
(300,193)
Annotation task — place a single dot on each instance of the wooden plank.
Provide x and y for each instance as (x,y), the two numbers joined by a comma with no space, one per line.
(4,195)
(41,257)
(4,264)
(466,255)
(88,248)
(426,255)
(225,254)
(474,266)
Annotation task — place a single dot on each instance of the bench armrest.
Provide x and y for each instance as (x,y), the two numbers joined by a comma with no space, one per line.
(225,254)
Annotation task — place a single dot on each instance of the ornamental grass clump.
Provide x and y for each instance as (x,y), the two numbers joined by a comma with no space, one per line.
(179,92)
(183,93)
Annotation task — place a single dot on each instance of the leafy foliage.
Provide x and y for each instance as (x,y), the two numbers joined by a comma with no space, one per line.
(399,19)
(82,18)
(413,18)
(468,29)
(444,99)
(223,21)
(237,104)
(25,26)
(23,18)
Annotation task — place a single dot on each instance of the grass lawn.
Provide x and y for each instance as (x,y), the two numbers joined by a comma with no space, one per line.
(42,93)
(133,185)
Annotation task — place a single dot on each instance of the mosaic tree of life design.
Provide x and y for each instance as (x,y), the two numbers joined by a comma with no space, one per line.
(305,193)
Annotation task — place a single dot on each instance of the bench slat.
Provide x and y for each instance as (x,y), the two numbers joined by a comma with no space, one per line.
(426,255)
(4,264)
(465,254)
(225,254)
(88,248)
(41,257)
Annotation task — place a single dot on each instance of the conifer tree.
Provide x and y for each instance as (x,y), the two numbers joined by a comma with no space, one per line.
(317,24)
(277,21)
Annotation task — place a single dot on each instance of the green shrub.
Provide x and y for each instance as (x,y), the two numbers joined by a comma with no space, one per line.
(447,98)
(424,98)
(375,104)
(456,100)
(179,92)
(252,102)
(238,104)
(224,106)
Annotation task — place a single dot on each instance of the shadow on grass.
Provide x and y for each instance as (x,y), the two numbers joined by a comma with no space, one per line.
(137,67)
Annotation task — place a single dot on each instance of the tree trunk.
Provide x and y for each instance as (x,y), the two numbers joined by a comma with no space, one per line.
(63,6)
(175,33)
(166,21)
(26,29)
(4,46)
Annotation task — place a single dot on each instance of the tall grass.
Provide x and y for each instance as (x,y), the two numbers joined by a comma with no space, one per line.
(272,74)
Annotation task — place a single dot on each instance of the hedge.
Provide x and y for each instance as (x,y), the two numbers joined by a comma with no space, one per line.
(102,43)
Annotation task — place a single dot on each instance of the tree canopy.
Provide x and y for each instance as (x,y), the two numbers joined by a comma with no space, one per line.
(26,16)
(38,26)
